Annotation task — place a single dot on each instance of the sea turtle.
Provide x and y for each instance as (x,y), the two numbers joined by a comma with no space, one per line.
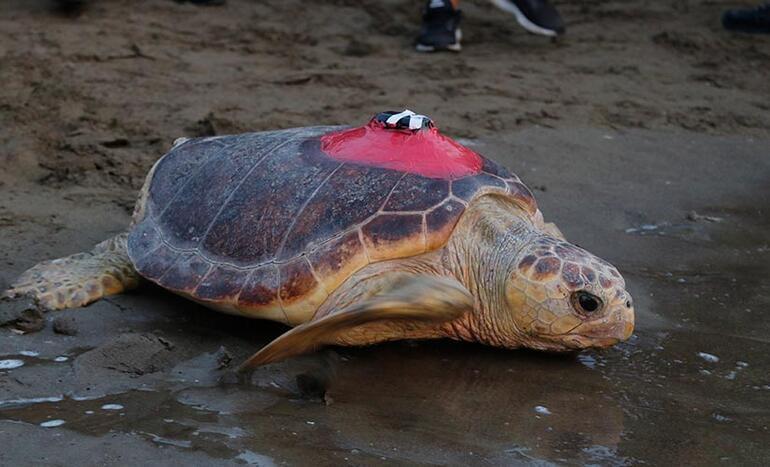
(352,236)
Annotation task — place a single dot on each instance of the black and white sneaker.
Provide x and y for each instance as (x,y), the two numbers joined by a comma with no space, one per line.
(536,16)
(751,20)
(440,27)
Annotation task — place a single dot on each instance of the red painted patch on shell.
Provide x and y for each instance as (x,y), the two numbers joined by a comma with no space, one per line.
(423,152)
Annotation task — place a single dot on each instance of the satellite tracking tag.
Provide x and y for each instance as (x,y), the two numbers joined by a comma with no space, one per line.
(403,141)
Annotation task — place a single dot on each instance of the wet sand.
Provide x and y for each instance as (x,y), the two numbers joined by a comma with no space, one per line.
(700,288)
(661,166)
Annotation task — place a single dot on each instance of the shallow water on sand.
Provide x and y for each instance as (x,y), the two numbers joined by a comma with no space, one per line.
(692,386)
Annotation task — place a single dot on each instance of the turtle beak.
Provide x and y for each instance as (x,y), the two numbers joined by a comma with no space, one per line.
(628,323)
(625,324)
(617,327)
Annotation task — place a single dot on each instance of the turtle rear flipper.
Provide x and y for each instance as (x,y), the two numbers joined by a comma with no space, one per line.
(79,279)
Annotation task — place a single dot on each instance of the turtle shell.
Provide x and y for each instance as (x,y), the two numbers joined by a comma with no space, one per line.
(268,224)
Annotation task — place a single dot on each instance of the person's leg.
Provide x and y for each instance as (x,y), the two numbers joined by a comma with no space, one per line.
(752,20)
(440,26)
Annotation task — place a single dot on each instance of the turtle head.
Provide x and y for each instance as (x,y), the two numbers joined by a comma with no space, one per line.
(564,298)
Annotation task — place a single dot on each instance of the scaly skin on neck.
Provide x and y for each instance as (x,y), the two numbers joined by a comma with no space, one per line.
(482,252)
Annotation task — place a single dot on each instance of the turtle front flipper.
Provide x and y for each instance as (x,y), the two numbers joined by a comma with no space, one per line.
(553,230)
(79,279)
(548,227)
(400,305)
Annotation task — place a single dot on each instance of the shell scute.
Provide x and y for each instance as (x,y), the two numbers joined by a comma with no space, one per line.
(347,198)
(252,224)
(221,284)
(260,288)
(491,167)
(187,216)
(468,187)
(144,239)
(441,221)
(297,280)
(336,260)
(186,273)
(175,170)
(390,236)
(154,264)
(267,221)
(415,193)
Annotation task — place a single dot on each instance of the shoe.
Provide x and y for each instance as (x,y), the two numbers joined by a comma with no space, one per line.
(536,16)
(70,6)
(753,20)
(440,28)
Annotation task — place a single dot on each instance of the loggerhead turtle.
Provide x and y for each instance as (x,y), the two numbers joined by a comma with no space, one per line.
(353,236)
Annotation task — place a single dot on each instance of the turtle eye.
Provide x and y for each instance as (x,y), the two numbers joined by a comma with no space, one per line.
(586,303)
